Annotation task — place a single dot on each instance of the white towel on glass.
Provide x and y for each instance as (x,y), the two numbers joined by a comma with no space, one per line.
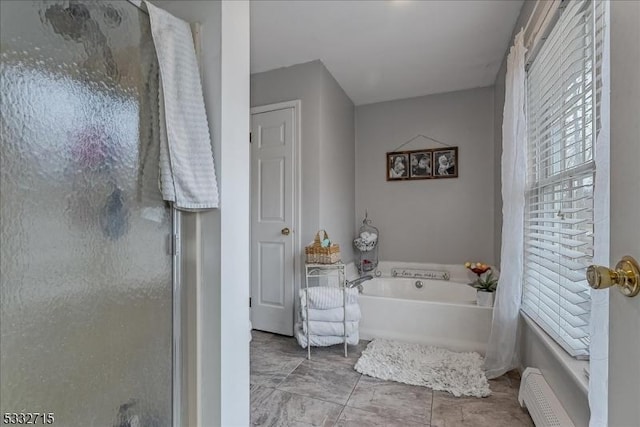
(187,172)
(330,328)
(334,314)
(324,297)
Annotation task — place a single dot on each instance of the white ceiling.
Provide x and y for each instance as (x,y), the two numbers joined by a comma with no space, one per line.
(389,49)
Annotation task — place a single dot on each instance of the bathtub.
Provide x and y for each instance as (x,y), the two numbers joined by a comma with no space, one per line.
(442,312)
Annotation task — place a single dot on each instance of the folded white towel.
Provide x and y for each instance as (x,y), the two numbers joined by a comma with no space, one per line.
(329,328)
(187,173)
(324,297)
(368,237)
(323,341)
(334,314)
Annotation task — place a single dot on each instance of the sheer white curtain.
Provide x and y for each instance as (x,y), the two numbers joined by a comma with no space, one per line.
(599,329)
(502,350)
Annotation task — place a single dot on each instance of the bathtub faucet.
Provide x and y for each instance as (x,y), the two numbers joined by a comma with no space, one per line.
(357,283)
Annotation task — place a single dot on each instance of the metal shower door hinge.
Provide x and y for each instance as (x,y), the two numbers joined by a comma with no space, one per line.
(175,244)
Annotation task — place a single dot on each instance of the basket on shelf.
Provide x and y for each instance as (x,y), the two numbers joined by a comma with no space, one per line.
(317,254)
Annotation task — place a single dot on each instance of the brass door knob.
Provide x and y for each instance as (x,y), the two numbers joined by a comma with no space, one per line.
(626,276)
(285,231)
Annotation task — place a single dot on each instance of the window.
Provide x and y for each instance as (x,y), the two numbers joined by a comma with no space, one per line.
(561,104)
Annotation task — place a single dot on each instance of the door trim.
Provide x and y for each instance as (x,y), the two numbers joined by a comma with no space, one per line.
(177,350)
(297,189)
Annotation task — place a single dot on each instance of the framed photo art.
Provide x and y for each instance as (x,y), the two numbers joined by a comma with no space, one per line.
(422,164)
(397,166)
(445,163)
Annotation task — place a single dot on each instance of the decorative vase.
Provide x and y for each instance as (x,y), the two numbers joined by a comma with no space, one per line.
(484,298)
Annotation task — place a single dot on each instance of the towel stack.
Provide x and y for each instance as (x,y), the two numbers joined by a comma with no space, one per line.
(327,316)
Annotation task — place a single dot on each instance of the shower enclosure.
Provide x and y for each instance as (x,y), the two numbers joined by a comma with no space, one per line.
(86,262)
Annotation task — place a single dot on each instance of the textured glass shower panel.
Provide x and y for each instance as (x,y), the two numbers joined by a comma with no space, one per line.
(86,281)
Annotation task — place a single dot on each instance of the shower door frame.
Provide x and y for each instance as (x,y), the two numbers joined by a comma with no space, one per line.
(177,356)
(177,350)
(176,365)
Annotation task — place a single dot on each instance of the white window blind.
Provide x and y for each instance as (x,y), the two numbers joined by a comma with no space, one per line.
(561,169)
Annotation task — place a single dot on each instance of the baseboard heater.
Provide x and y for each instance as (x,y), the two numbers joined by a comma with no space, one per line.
(537,397)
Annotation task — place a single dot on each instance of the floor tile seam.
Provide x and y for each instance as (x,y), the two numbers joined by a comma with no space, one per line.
(268,383)
(340,361)
(388,417)
(290,372)
(264,398)
(352,390)
(311,397)
(310,371)
(501,395)
(413,419)
(328,365)
(265,386)
(279,355)
(340,414)
(431,411)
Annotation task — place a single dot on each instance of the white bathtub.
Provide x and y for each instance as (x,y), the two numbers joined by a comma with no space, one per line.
(442,313)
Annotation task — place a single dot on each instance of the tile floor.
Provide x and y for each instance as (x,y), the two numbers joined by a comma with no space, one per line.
(289,390)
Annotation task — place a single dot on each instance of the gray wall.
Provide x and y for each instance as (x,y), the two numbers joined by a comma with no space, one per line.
(440,220)
(337,160)
(327,146)
(303,82)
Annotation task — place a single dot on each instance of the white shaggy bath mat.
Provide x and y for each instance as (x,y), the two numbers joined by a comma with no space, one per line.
(460,374)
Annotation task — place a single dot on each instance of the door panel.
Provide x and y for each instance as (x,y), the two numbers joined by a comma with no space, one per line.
(272,209)
(272,188)
(85,277)
(272,135)
(624,313)
(272,264)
